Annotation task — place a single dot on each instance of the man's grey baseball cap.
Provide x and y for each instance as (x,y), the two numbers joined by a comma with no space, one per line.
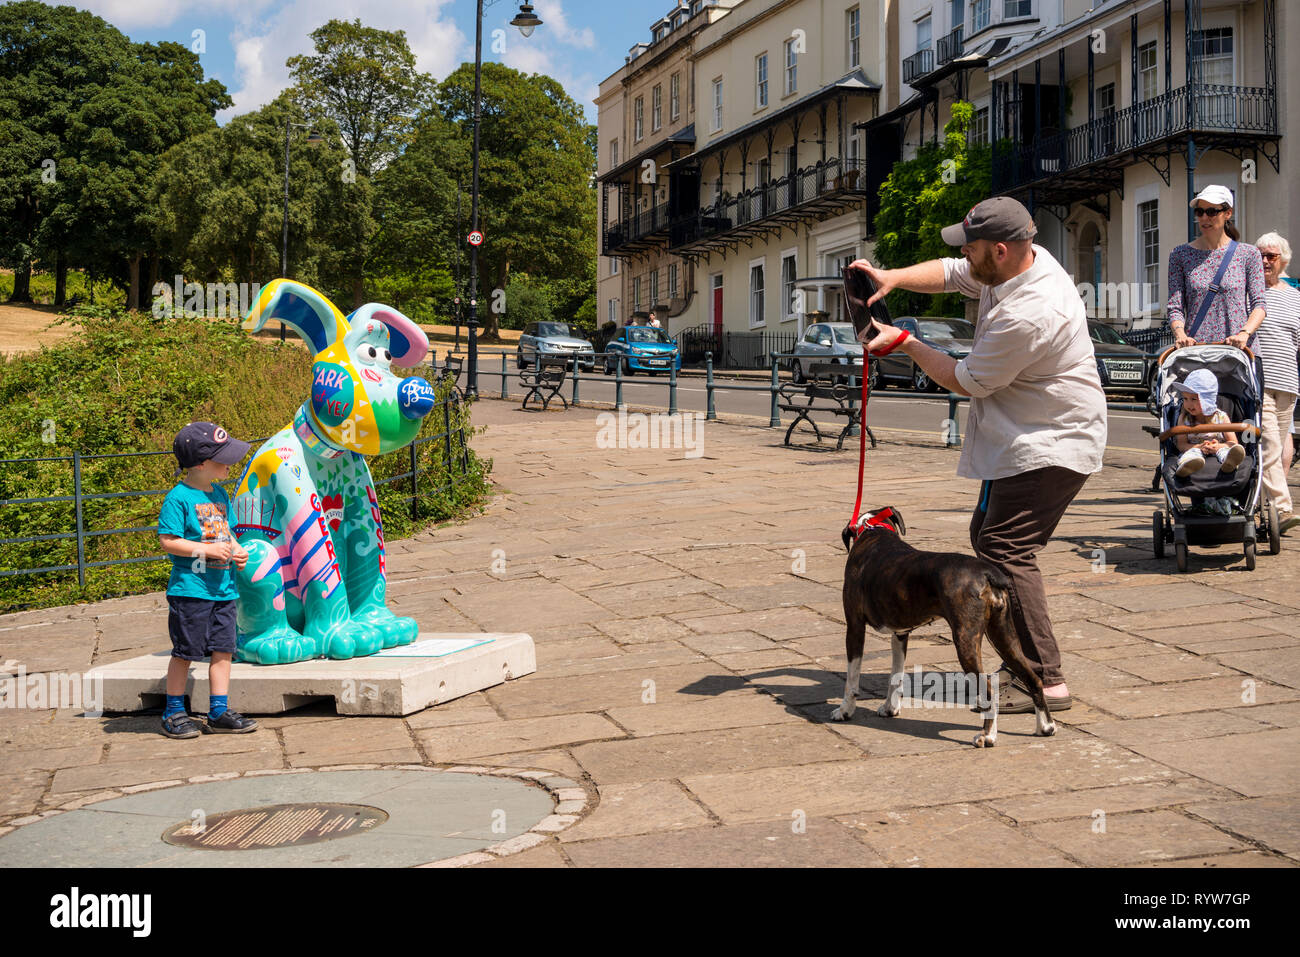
(1000,219)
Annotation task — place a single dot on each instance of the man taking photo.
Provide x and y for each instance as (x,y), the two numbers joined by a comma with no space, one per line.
(1037,425)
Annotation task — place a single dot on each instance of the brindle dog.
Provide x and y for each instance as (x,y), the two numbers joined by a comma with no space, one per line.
(894,588)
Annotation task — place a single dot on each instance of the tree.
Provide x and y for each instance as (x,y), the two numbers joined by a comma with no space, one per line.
(52,59)
(536,206)
(157,99)
(921,197)
(84,115)
(219,200)
(364,80)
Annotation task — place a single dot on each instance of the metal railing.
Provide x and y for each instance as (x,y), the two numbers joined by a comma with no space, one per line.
(451,452)
(767,199)
(1225,109)
(736,350)
(917,65)
(950,47)
(637,226)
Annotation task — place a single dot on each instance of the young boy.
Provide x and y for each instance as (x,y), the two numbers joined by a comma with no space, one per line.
(1200,397)
(201,594)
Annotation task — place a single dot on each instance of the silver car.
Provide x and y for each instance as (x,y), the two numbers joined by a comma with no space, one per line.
(554,339)
(825,342)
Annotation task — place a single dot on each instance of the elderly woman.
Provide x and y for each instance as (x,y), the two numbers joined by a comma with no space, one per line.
(1278,345)
(1235,312)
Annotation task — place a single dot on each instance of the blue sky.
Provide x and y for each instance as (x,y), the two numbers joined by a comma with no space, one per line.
(247,41)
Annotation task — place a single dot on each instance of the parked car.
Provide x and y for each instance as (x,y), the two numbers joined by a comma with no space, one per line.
(826,342)
(953,336)
(554,339)
(644,348)
(1124,369)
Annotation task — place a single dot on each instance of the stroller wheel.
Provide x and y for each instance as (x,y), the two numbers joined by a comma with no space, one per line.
(1249,548)
(1274,529)
(1158,533)
(1180,556)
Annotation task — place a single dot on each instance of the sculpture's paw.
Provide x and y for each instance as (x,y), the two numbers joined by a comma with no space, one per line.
(281,646)
(353,639)
(395,631)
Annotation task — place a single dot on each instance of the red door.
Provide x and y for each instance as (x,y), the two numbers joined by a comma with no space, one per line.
(717,310)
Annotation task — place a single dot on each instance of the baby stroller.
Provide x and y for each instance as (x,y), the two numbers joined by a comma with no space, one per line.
(1220,507)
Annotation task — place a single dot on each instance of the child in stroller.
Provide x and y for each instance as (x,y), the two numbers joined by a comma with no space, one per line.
(1200,397)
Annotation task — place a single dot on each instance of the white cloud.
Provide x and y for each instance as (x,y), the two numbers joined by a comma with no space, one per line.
(262,45)
(129,14)
(551,13)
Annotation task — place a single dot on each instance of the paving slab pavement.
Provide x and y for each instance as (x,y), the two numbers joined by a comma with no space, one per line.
(689,637)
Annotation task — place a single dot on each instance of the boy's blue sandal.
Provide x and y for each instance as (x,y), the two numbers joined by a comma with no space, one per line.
(179,725)
(230,722)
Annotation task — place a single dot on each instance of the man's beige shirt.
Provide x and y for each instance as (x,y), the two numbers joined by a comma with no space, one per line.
(1036,395)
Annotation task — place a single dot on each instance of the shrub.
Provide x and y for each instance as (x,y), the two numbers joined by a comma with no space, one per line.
(128,383)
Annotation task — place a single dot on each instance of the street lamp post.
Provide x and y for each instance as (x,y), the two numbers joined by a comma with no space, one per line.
(526,21)
(313,139)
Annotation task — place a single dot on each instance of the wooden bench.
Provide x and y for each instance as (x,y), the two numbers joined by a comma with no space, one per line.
(823,392)
(545,380)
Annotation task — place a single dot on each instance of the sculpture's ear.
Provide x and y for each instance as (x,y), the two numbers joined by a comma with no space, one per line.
(406,341)
(301,308)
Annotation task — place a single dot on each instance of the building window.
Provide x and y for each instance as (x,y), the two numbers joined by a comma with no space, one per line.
(854,150)
(788,277)
(613,267)
(1214,49)
(638,119)
(1149,251)
(613,311)
(979,15)
(672,280)
(756,316)
(656,108)
(1148,70)
(1016,9)
(760,80)
(791,67)
(717,104)
(979,130)
(855,37)
(924,33)
(674,98)
(613,153)
(636,294)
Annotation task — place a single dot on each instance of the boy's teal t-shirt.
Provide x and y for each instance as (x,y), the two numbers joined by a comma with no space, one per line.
(198,517)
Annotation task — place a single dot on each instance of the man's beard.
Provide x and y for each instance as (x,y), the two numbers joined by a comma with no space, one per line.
(985,270)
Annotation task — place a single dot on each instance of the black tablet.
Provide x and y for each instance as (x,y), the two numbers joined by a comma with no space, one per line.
(858,288)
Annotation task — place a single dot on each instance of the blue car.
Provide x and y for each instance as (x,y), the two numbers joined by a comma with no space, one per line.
(642,348)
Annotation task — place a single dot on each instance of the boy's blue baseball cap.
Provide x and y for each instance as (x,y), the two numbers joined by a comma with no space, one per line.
(201,441)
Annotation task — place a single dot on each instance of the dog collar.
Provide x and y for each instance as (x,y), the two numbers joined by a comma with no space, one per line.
(879,520)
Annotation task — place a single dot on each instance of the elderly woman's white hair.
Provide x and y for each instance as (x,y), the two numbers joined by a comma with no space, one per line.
(1274,241)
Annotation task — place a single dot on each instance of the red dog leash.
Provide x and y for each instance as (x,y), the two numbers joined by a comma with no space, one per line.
(862,437)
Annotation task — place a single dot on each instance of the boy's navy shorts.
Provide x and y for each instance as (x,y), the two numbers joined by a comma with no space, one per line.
(200,626)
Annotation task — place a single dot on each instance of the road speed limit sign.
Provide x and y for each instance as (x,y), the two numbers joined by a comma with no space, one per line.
(476,238)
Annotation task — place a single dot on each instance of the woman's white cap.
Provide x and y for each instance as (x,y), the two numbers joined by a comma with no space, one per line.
(1215,196)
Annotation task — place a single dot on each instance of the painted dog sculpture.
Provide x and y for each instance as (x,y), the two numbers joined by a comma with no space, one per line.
(305,507)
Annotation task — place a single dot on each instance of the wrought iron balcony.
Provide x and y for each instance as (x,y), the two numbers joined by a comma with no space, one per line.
(637,231)
(811,193)
(918,65)
(949,47)
(1090,159)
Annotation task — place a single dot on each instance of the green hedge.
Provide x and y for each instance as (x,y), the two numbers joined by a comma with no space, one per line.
(127,383)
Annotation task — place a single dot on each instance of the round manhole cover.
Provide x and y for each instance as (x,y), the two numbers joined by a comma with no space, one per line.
(277,825)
